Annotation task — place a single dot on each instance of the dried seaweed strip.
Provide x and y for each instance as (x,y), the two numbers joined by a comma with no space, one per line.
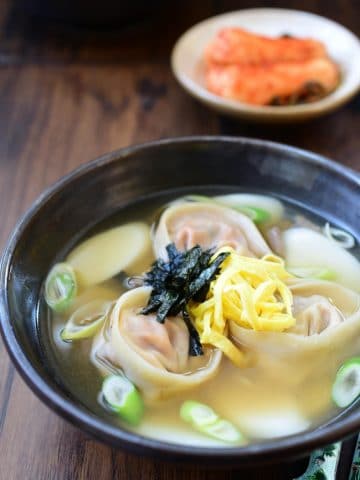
(186,276)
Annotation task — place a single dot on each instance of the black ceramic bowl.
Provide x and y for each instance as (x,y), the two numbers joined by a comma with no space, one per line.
(102,187)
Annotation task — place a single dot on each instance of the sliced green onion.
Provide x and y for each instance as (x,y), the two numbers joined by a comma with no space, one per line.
(342,238)
(225,431)
(203,419)
(313,272)
(197,413)
(346,387)
(199,198)
(257,215)
(123,398)
(85,321)
(60,287)
(271,209)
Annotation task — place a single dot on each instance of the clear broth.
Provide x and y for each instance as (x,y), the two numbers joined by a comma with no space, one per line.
(235,395)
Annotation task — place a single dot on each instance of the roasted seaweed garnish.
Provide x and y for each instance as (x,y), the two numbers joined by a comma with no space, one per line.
(195,347)
(185,276)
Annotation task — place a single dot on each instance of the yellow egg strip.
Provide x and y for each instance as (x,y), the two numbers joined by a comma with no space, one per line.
(248,291)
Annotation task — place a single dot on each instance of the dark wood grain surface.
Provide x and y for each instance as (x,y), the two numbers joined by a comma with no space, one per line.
(70,94)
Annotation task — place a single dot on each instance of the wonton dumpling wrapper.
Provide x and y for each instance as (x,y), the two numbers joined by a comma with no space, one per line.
(314,314)
(326,333)
(208,225)
(153,356)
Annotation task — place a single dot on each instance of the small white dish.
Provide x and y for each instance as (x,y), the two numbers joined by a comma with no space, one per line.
(342,45)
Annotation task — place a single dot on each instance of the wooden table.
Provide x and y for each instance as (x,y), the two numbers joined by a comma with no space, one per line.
(69,95)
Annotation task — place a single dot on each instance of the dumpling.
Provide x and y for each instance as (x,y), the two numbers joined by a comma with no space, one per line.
(208,225)
(164,346)
(154,356)
(314,314)
(328,321)
(326,313)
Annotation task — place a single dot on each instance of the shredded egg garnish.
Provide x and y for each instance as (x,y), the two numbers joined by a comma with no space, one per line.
(248,291)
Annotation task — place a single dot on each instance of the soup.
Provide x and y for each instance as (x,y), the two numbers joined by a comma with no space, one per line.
(209,320)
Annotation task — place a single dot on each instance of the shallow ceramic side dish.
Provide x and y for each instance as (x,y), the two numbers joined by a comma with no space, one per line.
(100,189)
(342,45)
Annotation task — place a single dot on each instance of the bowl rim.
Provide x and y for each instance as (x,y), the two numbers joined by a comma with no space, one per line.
(98,428)
(235,107)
